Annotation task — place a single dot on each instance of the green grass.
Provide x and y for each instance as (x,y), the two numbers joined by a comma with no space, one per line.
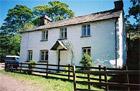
(47,84)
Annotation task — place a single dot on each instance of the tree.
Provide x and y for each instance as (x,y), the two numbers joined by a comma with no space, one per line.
(133,28)
(135,10)
(23,18)
(86,61)
(56,10)
(10,44)
(16,18)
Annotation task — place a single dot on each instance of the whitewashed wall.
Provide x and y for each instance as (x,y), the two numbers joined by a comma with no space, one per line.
(122,42)
(102,43)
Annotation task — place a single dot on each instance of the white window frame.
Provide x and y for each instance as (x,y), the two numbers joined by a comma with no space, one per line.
(44,55)
(63,33)
(86,30)
(30,55)
(87,50)
(44,35)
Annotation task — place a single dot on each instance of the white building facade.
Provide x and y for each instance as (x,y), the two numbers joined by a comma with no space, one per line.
(100,34)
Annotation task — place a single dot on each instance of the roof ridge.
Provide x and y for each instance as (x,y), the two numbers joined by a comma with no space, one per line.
(100,12)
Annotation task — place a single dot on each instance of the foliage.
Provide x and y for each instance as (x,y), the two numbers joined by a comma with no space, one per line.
(49,84)
(32,62)
(56,10)
(86,61)
(21,18)
(9,44)
(135,10)
(16,18)
(133,28)
(28,26)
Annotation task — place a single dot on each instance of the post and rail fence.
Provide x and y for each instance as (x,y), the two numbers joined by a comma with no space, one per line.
(94,76)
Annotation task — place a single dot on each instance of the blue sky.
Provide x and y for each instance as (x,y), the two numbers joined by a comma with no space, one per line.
(80,7)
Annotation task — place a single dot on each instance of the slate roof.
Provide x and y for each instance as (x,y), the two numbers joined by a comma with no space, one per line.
(109,14)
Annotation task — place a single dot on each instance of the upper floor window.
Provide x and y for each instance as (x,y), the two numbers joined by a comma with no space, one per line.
(63,33)
(44,55)
(30,55)
(44,35)
(86,30)
(86,50)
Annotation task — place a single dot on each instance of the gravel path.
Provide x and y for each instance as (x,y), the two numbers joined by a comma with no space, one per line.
(8,83)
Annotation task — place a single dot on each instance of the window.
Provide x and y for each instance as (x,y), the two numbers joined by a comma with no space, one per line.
(63,33)
(43,55)
(85,30)
(30,55)
(44,35)
(86,50)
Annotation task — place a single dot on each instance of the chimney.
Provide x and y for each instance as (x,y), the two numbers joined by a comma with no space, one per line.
(44,20)
(118,5)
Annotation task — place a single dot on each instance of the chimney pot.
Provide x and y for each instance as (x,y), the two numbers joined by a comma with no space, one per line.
(118,5)
(44,20)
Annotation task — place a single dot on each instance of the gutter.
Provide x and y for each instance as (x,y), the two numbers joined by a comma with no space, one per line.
(116,43)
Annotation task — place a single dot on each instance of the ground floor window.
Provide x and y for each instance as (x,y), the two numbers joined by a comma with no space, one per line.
(30,55)
(44,55)
(86,50)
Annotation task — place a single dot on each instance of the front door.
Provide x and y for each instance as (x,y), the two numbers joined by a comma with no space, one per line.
(63,57)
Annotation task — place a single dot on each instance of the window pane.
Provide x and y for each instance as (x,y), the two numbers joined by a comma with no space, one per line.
(88,30)
(29,55)
(43,35)
(84,50)
(83,30)
(42,55)
(46,55)
(46,35)
(89,51)
(61,33)
(65,33)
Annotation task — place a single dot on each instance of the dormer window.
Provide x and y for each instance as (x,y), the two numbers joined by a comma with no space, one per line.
(44,35)
(86,30)
(63,33)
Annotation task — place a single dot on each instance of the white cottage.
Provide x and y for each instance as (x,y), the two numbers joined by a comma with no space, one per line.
(99,34)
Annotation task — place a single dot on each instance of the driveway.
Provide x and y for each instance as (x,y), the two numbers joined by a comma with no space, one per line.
(8,83)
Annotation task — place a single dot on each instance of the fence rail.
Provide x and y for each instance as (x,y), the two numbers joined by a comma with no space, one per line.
(94,76)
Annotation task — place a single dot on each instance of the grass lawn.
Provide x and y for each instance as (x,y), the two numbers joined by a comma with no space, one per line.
(47,84)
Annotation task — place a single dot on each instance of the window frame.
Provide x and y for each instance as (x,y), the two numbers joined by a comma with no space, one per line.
(44,36)
(63,33)
(30,55)
(86,30)
(87,49)
(44,55)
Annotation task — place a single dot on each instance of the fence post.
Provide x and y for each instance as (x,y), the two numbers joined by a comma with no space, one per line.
(68,71)
(127,78)
(74,77)
(47,69)
(100,75)
(106,81)
(30,69)
(20,67)
(88,75)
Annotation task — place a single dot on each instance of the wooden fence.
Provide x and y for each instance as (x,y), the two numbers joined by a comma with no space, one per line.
(94,76)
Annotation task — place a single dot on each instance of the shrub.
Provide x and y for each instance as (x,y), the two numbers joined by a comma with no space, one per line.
(32,62)
(86,61)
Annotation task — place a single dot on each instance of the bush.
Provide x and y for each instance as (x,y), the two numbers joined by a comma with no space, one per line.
(32,62)
(86,61)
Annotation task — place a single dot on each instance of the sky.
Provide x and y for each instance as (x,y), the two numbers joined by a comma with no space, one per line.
(79,7)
